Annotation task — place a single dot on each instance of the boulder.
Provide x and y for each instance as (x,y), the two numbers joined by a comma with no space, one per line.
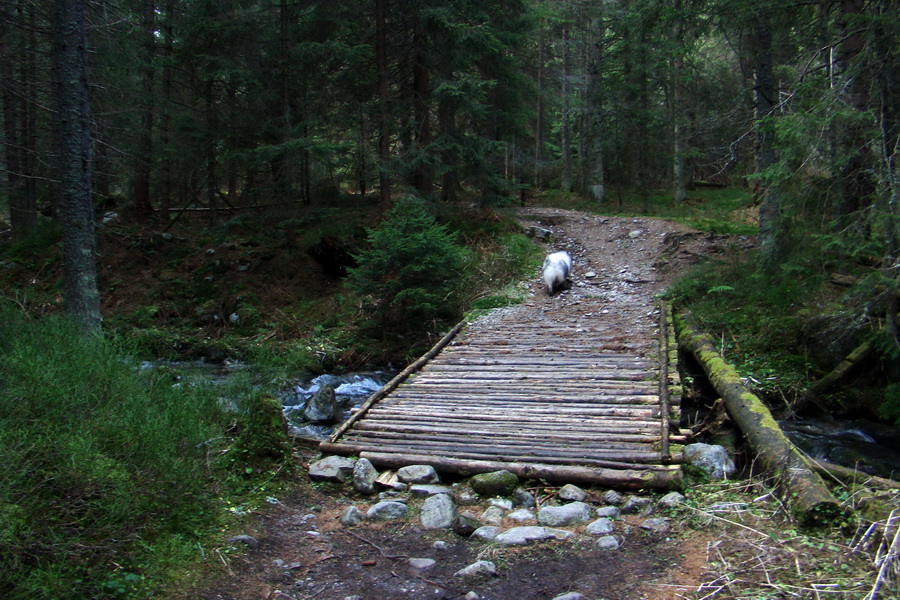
(612,497)
(418,474)
(657,525)
(635,505)
(486,533)
(670,500)
(438,512)
(712,460)
(493,515)
(352,516)
(386,511)
(562,516)
(466,523)
(336,469)
(481,567)
(607,512)
(571,493)
(524,498)
(521,515)
(364,476)
(600,527)
(608,542)
(570,596)
(323,407)
(424,489)
(495,483)
(522,536)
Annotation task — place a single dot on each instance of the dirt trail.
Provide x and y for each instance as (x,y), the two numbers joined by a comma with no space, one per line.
(619,266)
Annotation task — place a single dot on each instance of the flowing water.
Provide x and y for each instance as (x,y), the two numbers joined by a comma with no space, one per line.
(351,389)
(859,443)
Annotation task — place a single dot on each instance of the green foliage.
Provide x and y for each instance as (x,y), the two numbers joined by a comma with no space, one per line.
(412,269)
(105,474)
(264,438)
(44,235)
(890,406)
(758,317)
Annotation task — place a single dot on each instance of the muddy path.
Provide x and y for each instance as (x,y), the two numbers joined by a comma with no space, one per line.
(620,266)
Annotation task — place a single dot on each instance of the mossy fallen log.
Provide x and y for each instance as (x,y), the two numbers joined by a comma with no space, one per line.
(799,485)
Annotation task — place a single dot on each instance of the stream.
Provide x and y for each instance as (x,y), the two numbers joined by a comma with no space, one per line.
(351,389)
(859,443)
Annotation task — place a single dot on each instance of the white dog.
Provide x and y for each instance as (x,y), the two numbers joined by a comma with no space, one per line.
(557,268)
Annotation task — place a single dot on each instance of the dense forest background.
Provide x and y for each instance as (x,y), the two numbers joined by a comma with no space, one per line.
(232,107)
(294,114)
(309,184)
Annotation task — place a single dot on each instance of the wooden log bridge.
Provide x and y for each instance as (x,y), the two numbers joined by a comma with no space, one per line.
(567,398)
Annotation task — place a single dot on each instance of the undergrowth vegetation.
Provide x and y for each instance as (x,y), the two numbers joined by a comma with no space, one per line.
(113,476)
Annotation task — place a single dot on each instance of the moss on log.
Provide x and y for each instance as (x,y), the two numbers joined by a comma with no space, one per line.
(800,486)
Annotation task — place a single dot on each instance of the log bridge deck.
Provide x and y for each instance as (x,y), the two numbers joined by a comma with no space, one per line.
(568,399)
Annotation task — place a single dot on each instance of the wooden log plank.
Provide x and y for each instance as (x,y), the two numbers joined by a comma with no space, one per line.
(384,422)
(570,456)
(448,365)
(534,378)
(519,397)
(567,444)
(626,479)
(396,381)
(800,486)
(505,437)
(534,411)
(361,449)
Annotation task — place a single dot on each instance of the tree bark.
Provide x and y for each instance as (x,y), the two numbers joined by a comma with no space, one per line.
(22,211)
(800,486)
(165,184)
(82,299)
(594,177)
(771,219)
(679,136)
(565,141)
(144,155)
(423,179)
(384,115)
(539,120)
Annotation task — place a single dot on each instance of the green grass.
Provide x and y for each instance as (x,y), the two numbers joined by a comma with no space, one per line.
(109,472)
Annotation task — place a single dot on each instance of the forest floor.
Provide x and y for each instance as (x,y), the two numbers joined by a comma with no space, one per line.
(732,540)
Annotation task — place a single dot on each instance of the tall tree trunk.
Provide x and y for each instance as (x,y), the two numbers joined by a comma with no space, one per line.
(450,160)
(30,119)
(887,90)
(679,136)
(144,155)
(771,219)
(82,299)
(565,141)
(165,183)
(286,172)
(423,179)
(384,137)
(12,51)
(212,195)
(539,119)
(594,176)
(855,184)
